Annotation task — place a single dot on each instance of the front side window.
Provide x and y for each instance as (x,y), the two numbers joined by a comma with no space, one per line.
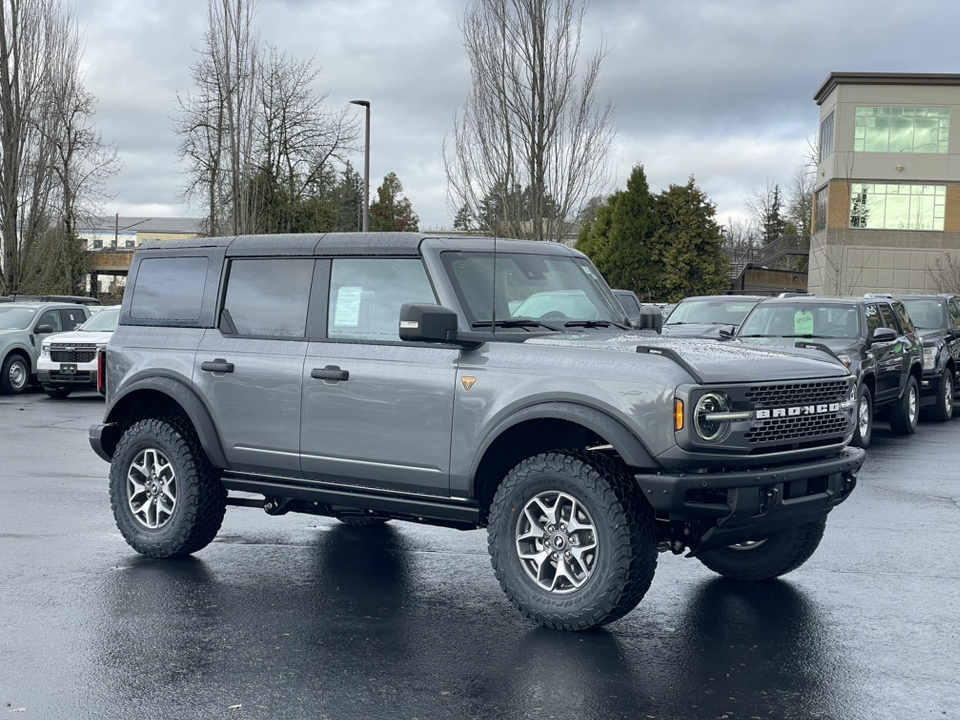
(902,130)
(955,313)
(517,287)
(885,206)
(888,321)
(873,319)
(366,295)
(51,318)
(904,317)
(268,298)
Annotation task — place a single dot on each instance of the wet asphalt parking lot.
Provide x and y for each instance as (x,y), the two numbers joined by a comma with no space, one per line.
(303,617)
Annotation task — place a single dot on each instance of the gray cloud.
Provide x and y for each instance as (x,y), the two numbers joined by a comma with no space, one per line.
(718,89)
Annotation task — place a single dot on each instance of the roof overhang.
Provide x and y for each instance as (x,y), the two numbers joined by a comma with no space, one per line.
(853,78)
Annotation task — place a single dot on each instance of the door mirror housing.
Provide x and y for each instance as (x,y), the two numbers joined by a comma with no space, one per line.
(420,322)
(884,334)
(44,329)
(650,318)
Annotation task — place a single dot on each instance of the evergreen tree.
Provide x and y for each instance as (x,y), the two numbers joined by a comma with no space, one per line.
(631,261)
(347,197)
(392,211)
(691,252)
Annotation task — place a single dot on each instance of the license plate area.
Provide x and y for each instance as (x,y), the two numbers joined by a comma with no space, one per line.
(68,368)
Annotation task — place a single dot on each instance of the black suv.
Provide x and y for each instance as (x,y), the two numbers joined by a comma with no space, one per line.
(872,336)
(709,316)
(937,319)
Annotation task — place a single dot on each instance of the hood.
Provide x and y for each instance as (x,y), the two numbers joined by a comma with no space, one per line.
(713,362)
(78,337)
(931,334)
(837,345)
(694,330)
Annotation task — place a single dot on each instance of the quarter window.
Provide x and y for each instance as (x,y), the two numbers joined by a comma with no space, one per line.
(902,130)
(366,295)
(885,206)
(268,298)
(169,289)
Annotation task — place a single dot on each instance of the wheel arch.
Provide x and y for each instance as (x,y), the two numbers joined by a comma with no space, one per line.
(160,397)
(545,427)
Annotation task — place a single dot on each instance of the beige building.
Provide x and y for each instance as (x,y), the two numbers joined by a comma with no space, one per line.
(887,203)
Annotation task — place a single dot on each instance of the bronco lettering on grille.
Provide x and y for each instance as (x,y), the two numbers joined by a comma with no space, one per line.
(821,409)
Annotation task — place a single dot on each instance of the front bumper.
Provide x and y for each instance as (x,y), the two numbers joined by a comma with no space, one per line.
(81,378)
(749,505)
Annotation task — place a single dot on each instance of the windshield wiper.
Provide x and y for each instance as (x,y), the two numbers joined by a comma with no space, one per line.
(525,324)
(594,324)
(808,335)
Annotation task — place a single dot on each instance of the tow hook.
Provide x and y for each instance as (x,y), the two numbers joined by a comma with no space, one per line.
(768,497)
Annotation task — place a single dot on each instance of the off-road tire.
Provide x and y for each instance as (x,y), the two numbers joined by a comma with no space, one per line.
(863,418)
(14,374)
(200,496)
(942,408)
(361,520)
(57,392)
(769,558)
(625,537)
(904,414)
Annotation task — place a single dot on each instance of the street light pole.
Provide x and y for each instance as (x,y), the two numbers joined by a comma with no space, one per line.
(366,164)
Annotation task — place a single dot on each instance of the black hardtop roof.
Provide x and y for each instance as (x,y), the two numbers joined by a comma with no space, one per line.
(380,243)
(822,300)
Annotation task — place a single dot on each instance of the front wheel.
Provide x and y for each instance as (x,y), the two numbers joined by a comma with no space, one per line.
(14,375)
(864,418)
(769,557)
(572,542)
(905,413)
(942,409)
(166,496)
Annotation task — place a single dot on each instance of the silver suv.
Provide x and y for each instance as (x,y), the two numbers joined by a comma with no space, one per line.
(22,326)
(468,383)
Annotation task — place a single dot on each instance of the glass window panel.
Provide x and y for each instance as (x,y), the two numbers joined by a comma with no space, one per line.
(860,132)
(897,212)
(921,211)
(926,135)
(885,112)
(269,297)
(878,135)
(871,111)
(896,112)
(861,111)
(909,112)
(874,212)
(941,189)
(901,135)
(858,145)
(169,289)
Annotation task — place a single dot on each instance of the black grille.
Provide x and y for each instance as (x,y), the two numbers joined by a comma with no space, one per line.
(788,395)
(792,428)
(79,354)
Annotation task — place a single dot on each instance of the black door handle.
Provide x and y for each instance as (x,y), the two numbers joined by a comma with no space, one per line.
(330,372)
(219,365)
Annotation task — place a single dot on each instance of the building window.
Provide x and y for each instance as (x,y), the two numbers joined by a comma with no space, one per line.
(897,207)
(97,244)
(902,130)
(131,243)
(821,214)
(826,137)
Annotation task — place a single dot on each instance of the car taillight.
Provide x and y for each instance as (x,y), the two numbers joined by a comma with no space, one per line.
(102,371)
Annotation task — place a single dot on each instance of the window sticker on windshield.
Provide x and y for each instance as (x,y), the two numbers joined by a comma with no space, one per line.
(347,313)
(803,323)
(738,308)
(588,271)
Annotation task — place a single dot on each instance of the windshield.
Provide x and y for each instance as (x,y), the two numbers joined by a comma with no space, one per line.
(926,314)
(557,290)
(16,318)
(710,311)
(789,320)
(103,321)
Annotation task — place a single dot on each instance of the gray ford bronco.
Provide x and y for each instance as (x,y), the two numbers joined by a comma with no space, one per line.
(468,383)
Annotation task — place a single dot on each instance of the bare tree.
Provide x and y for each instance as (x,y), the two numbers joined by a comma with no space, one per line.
(53,161)
(530,143)
(945,273)
(217,126)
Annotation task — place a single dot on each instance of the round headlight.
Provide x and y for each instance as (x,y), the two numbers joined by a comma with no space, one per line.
(711,430)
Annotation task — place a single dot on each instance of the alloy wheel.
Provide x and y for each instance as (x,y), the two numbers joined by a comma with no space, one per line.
(151,489)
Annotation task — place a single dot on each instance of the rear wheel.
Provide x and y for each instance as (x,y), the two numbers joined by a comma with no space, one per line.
(14,374)
(572,542)
(57,392)
(864,418)
(942,409)
(905,413)
(767,558)
(166,496)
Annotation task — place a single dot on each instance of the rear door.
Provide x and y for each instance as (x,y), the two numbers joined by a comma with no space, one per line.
(890,356)
(377,412)
(249,367)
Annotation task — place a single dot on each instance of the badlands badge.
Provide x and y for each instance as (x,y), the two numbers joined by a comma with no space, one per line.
(467,382)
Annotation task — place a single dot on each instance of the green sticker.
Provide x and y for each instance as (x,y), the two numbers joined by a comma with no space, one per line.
(803,323)
(898,348)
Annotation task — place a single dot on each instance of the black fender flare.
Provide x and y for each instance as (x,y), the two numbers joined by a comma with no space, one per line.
(192,405)
(627,445)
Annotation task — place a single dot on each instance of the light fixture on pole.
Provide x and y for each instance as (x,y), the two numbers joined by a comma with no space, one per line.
(366,165)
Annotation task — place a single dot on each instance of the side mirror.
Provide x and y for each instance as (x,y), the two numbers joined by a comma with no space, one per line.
(884,334)
(728,331)
(650,318)
(420,322)
(44,329)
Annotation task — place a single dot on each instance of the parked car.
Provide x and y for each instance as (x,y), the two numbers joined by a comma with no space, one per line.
(381,376)
(21,323)
(630,303)
(68,361)
(873,337)
(711,316)
(937,320)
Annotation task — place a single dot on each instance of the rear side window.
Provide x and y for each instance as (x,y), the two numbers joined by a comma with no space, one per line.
(73,319)
(169,289)
(268,297)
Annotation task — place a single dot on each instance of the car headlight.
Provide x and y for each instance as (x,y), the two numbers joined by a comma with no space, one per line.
(709,427)
(45,351)
(930,358)
(845,359)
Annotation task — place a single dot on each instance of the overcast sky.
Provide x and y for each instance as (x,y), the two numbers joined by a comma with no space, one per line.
(718,89)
